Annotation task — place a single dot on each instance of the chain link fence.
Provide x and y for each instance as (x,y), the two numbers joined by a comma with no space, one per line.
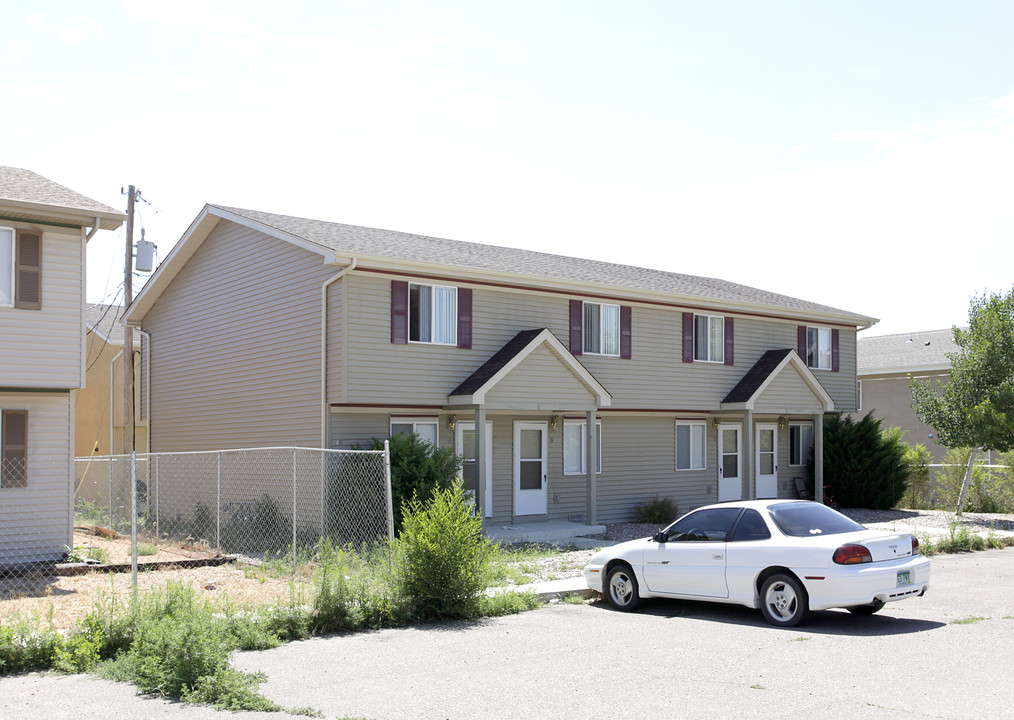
(237,521)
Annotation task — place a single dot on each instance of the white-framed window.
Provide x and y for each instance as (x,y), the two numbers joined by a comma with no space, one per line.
(432,314)
(691,443)
(800,443)
(709,338)
(6,267)
(818,348)
(575,445)
(424,427)
(601,329)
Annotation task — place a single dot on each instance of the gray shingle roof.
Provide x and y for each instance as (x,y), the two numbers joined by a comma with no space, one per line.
(104,319)
(351,239)
(905,351)
(750,383)
(26,186)
(496,363)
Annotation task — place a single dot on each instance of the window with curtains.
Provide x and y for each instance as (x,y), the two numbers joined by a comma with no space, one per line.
(20,269)
(709,338)
(424,428)
(690,446)
(433,314)
(575,446)
(800,443)
(818,348)
(601,329)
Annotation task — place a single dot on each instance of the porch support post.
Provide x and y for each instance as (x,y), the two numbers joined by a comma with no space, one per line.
(818,457)
(749,466)
(591,465)
(480,460)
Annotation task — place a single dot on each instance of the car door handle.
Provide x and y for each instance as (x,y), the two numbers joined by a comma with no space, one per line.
(717,556)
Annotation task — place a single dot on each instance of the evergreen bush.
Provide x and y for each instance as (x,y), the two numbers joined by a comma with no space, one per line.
(864,466)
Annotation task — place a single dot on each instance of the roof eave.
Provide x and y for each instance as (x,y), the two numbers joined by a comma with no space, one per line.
(81,217)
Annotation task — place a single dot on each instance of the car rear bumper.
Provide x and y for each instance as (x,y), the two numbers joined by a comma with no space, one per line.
(848,585)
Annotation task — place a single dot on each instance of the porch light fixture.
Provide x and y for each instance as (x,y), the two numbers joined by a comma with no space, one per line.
(552,422)
(452,422)
(715,422)
(782,422)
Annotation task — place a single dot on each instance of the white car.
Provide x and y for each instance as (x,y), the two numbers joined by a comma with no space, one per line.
(786,557)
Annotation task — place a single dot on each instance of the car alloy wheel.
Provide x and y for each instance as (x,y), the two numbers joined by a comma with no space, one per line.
(621,589)
(784,601)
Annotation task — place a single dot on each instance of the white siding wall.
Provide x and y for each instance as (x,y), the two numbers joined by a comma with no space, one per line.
(35,521)
(43,348)
(235,349)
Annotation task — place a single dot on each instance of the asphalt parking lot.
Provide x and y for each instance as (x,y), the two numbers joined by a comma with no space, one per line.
(946,655)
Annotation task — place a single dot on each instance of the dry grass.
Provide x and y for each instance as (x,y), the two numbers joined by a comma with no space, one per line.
(68,598)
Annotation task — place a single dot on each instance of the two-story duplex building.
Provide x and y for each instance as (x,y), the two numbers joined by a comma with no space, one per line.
(596,386)
(44,228)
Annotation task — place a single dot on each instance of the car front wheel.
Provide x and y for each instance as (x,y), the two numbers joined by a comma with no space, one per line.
(621,589)
(784,601)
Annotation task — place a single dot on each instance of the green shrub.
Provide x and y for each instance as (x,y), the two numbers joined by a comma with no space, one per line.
(919,493)
(864,467)
(443,562)
(28,644)
(418,470)
(990,489)
(658,511)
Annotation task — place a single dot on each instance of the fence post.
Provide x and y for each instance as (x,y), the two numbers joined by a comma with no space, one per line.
(158,491)
(133,522)
(218,507)
(293,511)
(390,499)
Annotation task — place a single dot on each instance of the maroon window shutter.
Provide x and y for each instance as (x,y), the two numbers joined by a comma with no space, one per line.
(576,326)
(399,312)
(625,337)
(729,344)
(28,271)
(688,337)
(14,449)
(801,342)
(465,318)
(834,350)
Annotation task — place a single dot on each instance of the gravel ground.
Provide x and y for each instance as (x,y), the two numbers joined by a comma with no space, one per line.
(569,564)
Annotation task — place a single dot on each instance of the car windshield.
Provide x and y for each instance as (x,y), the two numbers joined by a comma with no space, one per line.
(805,519)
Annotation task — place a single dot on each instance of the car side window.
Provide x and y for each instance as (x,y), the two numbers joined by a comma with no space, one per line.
(704,526)
(751,527)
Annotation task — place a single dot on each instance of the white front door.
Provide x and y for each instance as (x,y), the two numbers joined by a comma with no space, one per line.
(730,476)
(465,444)
(530,468)
(767,461)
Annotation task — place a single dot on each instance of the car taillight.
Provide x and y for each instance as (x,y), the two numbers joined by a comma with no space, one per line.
(852,555)
(915,545)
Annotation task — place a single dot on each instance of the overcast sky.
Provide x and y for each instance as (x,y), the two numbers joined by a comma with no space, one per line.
(857,154)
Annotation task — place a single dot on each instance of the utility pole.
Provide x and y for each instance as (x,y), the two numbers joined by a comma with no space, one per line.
(128,331)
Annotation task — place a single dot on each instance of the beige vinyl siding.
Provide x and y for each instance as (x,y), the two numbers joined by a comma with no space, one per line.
(43,348)
(788,393)
(540,382)
(35,521)
(654,378)
(350,431)
(235,348)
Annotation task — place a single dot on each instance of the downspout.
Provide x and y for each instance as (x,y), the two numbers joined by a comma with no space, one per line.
(146,369)
(325,413)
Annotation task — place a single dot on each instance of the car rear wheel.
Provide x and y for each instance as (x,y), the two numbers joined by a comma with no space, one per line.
(866,609)
(621,589)
(784,601)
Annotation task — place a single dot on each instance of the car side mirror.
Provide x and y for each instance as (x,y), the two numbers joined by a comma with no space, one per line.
(661,536)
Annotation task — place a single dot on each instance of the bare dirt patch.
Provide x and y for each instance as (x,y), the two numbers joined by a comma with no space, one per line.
(65,599)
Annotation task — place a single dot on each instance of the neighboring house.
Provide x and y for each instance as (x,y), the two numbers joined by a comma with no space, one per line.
(44,228)
(886,366)
(274,330)
(99,416)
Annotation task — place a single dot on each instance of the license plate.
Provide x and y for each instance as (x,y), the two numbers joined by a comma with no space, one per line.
(904,577)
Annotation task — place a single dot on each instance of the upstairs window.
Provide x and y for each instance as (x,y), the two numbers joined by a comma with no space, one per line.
(433,314)
(709,338)
(601,329)
(818,348)
(20,269)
